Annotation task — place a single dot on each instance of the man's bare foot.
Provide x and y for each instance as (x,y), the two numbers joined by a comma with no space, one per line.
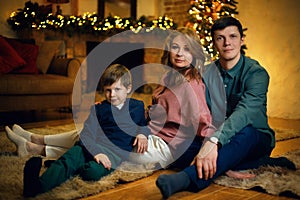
(239,174)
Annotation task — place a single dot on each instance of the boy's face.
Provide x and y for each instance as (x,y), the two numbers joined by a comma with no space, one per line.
(116,93)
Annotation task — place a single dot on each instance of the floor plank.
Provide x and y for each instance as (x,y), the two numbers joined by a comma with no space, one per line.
(286,146)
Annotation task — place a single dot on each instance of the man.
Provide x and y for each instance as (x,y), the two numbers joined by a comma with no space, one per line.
(244,139)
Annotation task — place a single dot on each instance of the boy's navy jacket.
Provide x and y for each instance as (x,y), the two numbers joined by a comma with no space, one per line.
(114,129)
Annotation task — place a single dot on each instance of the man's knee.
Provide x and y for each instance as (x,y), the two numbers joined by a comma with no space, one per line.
(248,132)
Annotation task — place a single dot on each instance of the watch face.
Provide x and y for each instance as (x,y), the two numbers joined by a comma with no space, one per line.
(214,140)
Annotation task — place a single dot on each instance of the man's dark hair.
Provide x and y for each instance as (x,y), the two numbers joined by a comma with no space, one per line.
(224,22)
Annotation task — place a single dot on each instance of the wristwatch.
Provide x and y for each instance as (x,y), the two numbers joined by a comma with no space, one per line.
(214,140)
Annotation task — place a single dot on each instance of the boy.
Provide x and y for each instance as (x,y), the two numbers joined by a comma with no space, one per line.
(109,134)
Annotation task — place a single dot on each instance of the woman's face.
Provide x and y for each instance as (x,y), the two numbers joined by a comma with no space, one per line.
(180,53)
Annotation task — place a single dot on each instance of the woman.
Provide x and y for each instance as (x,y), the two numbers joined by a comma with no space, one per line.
(179,111)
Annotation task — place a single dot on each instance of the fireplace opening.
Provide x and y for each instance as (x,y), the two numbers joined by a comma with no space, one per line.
(130,59)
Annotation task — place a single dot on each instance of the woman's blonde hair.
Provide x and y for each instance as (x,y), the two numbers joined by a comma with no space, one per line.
(196,50)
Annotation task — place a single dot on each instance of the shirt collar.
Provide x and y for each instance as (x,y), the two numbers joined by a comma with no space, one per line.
(120,106)
(233,71)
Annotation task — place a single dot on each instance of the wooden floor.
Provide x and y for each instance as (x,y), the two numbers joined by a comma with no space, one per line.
(146,188)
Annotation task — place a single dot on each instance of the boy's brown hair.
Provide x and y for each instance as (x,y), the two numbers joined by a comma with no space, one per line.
(113,73)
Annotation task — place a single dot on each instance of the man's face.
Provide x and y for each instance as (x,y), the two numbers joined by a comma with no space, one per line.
(228,43)
(116,93)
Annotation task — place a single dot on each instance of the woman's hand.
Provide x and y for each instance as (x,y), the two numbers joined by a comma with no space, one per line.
(103,159)
(142,143)
(206,160)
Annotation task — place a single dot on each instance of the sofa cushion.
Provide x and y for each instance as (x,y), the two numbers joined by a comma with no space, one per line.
(29,53)
(47,51)
(35,84)
(9,57)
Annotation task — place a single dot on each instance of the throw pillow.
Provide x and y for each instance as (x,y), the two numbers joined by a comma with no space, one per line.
(47,51)
(29,52)
(9,57)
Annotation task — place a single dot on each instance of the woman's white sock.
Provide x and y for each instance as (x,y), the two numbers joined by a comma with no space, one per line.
(20,142)
(21,132)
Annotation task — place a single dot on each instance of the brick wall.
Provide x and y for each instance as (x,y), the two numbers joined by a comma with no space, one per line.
(177,10)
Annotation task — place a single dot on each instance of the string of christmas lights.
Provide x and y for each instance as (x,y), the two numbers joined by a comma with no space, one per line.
(32,17)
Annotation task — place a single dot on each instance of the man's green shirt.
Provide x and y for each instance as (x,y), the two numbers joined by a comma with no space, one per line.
(238,98)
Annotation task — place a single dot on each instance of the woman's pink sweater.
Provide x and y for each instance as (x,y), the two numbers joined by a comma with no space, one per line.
(179,113)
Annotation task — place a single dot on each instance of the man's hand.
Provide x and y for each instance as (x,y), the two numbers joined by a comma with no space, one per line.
(103,159)
(206,160)
(142,143)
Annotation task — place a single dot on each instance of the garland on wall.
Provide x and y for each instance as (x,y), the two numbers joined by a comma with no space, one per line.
(201,14)
(33,16)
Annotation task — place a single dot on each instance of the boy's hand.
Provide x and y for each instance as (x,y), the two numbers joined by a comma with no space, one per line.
(103,159)
(142,143)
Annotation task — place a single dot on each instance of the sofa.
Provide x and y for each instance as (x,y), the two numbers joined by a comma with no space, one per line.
(34,76)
